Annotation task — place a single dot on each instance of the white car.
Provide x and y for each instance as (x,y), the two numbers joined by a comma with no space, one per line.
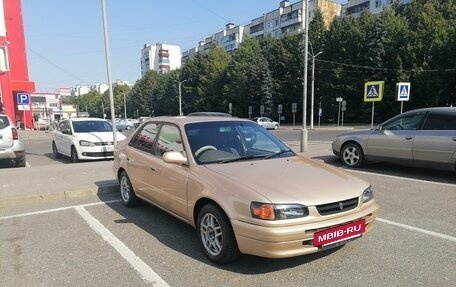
(84,139)
(266,123)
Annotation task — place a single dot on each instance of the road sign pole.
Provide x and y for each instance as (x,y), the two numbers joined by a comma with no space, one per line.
(372,121)
(338,114)
(402,106)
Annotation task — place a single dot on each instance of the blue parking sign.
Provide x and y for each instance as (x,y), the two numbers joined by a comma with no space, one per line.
(23,99)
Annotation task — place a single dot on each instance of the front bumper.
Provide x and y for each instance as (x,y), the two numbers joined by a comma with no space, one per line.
(96,152)
(295,240)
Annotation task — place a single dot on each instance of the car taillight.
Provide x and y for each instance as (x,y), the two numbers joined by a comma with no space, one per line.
(15,134)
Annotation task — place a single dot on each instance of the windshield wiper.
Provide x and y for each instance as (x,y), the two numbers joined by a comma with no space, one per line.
(277,153)
(240,158)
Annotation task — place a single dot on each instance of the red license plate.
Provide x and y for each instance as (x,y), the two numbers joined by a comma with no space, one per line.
(339,233)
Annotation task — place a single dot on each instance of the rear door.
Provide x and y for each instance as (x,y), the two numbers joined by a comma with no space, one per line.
(141,158)
(436,142)
(168,181)
(6,134)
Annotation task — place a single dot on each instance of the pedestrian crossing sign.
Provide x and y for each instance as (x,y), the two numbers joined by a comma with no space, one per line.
(373,91)
(402,92)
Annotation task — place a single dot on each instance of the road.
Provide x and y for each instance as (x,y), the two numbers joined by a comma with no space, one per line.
(96,241)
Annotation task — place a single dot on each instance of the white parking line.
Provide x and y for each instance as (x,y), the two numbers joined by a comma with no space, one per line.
(146,273)
(405,226)
(398,177)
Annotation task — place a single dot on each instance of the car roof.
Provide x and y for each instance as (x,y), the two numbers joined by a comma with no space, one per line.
(216,114)
(182,120)
(441,109)
(85,119)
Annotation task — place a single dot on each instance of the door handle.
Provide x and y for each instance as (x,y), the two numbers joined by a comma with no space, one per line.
(408,138)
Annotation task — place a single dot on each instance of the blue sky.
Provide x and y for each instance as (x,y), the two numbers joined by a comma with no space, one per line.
(65,44)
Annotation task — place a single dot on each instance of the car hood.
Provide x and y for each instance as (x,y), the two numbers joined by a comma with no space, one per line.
(293,180)
(99,136)
(357,132)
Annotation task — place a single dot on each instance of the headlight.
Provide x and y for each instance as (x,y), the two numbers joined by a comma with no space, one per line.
(278,211)
(86,143)
(368,194)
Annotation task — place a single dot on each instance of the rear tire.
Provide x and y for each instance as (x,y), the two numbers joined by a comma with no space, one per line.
(55,151)
(216,235)
(352,155)
(20,162)
(127,194)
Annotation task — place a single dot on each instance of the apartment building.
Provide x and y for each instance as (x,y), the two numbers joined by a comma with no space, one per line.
(355,7)
(160,57)
(288,18)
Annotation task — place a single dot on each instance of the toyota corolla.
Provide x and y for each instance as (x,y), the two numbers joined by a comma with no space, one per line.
(241,188)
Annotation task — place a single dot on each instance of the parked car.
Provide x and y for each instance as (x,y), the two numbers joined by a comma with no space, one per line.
(124,124)
(12,145)
(84,139)
(423,137)
(266,123)
(243,189)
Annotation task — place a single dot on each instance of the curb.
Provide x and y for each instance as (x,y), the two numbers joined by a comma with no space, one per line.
(58,196)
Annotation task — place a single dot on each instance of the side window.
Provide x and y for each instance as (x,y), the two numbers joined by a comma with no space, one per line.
(3,122)
(169,139)
(145,138)
(407,122)
(440,121)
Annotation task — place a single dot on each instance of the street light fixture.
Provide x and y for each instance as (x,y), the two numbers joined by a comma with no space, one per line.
(313,87)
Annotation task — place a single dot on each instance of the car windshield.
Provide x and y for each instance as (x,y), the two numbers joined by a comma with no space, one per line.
(91,126)
(228,141)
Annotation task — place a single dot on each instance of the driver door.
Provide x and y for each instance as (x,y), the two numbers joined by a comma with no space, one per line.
(395,138)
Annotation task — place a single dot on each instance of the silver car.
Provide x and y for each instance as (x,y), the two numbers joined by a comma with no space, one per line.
(423,137)
(12,145)
(266,123)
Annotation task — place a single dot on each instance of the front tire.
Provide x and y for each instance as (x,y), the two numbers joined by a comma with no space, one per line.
(74,155)
(352,155)
(216,235)
(127,193)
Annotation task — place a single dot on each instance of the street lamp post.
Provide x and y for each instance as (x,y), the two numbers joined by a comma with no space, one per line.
(179,82)
(303,147)
(108,68)
(125,107)
(312,88)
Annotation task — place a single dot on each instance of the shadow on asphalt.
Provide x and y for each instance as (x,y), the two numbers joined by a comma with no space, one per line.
(389,169)
(182,238)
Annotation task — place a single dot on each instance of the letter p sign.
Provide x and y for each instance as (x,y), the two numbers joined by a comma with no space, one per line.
(23,99)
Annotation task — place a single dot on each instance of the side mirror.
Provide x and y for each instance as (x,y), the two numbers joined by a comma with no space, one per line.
(174,157)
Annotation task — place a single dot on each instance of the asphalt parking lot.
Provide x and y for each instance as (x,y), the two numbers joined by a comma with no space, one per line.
(91,239)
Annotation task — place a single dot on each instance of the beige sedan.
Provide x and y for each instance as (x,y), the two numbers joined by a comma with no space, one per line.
(244,190)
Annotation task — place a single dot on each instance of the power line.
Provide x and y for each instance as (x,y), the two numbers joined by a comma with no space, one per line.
(385,69)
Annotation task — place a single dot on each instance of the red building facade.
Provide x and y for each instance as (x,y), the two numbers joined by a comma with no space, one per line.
(14,76)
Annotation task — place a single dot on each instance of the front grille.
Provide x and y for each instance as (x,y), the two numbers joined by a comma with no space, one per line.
(103,143)
(336,207)
(99,154)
